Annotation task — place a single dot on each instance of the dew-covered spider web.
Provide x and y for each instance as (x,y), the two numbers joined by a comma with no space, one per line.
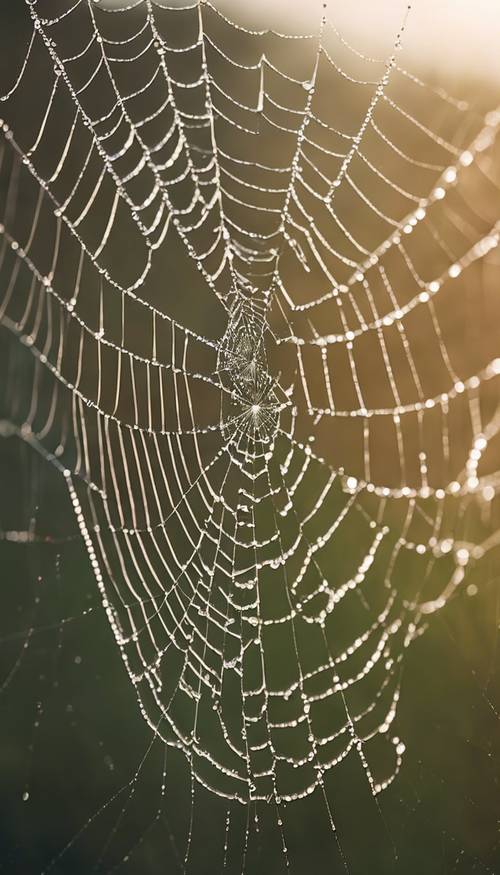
(251,278)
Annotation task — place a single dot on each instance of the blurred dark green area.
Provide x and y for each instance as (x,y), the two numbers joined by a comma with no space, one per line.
(73,740)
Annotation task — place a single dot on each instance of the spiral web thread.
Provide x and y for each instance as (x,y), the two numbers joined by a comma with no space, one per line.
(275,505)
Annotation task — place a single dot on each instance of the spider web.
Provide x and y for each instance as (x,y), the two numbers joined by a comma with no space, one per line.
(235,287)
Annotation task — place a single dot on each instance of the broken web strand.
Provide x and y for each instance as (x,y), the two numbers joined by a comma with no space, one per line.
(198,694)
(160,815)
(305,707)
(357,741)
